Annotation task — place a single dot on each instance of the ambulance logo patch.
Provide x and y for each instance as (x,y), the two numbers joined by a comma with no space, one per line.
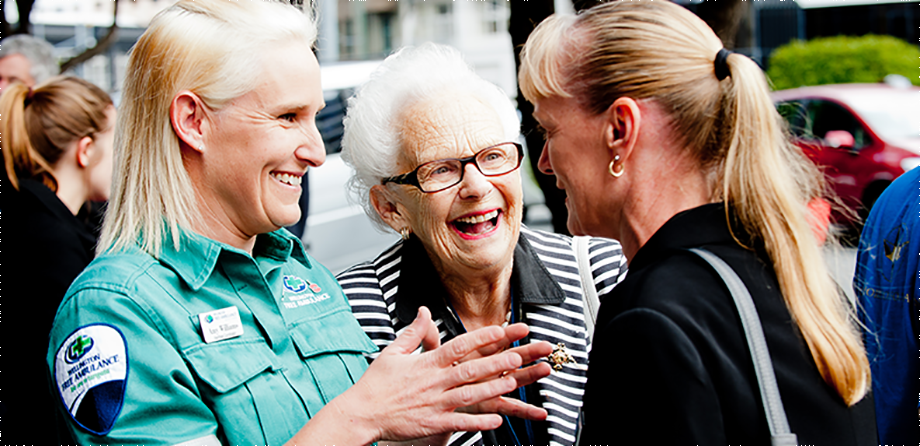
(90,373)
(78,349)
(299,292)
(294,284)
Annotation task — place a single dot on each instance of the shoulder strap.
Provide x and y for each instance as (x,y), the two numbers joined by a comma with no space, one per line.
(780,433)
(591,302)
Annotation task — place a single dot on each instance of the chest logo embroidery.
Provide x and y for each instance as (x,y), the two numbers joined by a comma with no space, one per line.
(296,292)
(294,284)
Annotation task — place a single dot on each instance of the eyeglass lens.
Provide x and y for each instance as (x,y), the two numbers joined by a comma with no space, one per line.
(493,161)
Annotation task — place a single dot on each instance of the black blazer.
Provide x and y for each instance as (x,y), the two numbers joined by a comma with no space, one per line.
(670,364)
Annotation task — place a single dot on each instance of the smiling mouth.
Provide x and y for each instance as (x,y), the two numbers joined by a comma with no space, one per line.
(476,225)
(292,180)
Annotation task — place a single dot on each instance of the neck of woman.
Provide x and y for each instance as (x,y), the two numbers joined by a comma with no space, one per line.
(480,301)
(71,189)
(651,207)
(217,226)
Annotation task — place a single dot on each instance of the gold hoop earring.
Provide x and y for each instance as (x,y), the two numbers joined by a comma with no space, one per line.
(404,233)
(611,167)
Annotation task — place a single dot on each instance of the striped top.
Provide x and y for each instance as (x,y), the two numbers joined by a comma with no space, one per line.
(385,295)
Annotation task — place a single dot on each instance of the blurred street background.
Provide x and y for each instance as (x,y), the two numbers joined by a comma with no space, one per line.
(93,37)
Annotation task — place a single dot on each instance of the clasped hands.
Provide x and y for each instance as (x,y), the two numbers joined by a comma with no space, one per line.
(454,387)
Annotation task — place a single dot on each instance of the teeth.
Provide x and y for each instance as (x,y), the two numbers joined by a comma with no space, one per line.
(293,180)
(478,218)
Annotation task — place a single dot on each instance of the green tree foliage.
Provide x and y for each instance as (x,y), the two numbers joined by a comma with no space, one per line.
(842,59)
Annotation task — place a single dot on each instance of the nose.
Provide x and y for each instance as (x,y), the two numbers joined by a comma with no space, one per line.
(474,184)
(311,150)
(544,164)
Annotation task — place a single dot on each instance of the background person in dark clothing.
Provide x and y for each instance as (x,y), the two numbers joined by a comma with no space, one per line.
(57,146)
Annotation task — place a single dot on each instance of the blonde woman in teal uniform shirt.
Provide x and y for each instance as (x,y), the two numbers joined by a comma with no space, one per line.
(202,322)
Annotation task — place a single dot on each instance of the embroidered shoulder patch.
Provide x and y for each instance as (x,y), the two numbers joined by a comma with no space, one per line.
(90,371)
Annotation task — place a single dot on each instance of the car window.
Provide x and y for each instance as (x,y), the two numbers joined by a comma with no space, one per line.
(329,119)
(893,114)
(824,116)
(794,113)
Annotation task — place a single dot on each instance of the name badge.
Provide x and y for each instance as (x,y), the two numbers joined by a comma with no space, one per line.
(220,324)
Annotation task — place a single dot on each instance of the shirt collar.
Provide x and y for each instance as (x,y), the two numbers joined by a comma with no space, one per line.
(197,256)
(420,284)
(703,225)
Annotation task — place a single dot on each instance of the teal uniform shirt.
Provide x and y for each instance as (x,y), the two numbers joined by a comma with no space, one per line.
(130,357)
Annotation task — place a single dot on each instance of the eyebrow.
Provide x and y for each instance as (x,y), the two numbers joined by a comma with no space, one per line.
(298,107)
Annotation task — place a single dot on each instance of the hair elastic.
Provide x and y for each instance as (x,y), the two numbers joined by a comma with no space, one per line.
(29,96)
(721,64)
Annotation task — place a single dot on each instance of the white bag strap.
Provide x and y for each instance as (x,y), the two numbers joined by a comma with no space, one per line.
(780,433)
(591,302)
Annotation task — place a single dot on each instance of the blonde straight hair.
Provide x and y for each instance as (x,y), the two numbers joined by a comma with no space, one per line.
(212,48)
(661,51)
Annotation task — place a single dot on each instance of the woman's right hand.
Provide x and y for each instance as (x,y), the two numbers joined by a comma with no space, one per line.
(404,396)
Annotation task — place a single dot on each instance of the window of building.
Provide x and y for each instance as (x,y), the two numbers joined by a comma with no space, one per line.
(443,24)
(495,16)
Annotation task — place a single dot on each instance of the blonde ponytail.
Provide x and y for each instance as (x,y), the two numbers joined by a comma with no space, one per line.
(767,183)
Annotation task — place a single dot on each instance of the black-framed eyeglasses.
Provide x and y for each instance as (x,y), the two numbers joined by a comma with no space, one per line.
(435,176)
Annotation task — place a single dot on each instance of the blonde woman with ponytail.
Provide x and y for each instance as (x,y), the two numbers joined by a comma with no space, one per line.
(665,141)
(57,142)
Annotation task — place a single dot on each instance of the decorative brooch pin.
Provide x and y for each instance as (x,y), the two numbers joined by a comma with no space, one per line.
(559,357)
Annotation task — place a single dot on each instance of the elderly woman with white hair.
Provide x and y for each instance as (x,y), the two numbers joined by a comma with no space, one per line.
(202,322)
(435,158)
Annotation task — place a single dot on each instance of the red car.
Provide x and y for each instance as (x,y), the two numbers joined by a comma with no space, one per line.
(863,135)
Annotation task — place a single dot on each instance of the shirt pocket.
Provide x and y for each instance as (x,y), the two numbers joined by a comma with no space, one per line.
(246,391)
(332,348)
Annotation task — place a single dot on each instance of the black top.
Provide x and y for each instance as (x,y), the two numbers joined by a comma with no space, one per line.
(670,364)
(45,247)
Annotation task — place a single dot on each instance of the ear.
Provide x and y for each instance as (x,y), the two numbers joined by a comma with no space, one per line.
(187,114)
(85,150)
(624,119)
(387,207)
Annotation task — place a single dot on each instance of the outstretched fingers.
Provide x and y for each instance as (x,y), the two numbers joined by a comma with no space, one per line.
(514,332)
(472,394)
(530,375)
(419,332)
(461,346)
(533,351)
(511,407)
